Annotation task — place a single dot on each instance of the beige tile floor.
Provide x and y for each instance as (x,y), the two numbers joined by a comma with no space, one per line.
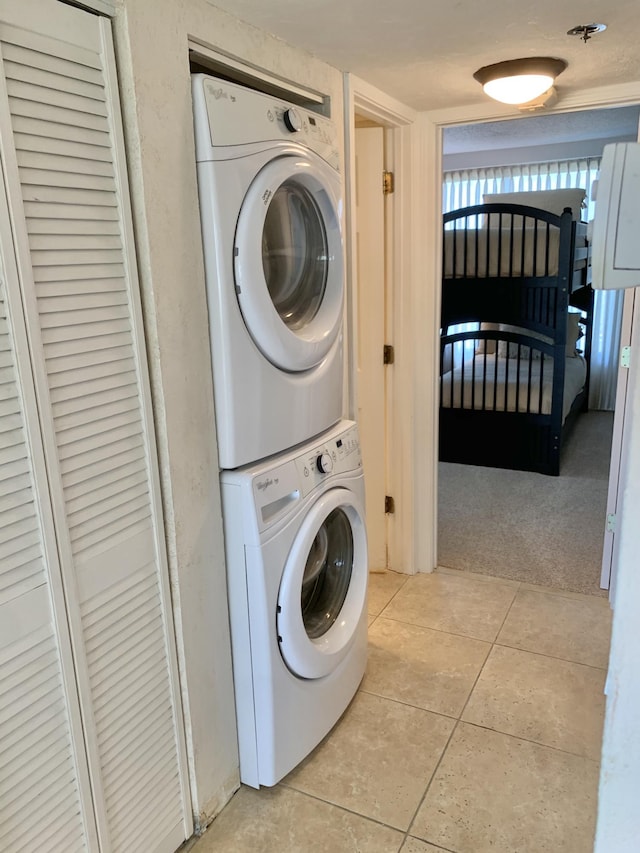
(477,728)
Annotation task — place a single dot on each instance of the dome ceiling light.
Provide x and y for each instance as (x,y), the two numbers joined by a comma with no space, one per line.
(518,81)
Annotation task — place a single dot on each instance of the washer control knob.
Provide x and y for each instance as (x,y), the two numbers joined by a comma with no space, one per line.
(324,463)
(292,120)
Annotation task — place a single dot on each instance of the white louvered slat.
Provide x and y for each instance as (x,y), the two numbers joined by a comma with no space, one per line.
(110,403)
(19,66)
(69,225)
(36,104)
(75,242)
(86,358)
(54,92)
(64,163)
(77,272)
(115,418)
(131,476)
(54,133)
(32,140)
(15,498)
(77,56)
(93,397)
(68,182)
(108,388)
(90,373)
(56,349)
(37,210)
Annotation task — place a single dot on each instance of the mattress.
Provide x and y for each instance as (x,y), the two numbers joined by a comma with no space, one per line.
(509,387)
(499,252)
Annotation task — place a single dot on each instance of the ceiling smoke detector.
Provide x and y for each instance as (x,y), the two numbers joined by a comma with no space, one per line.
(585,31)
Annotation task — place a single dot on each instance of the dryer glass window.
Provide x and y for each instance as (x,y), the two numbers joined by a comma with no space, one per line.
(295,255)
(327,574)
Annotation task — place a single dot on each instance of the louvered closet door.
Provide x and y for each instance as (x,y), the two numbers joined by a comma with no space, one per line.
(62,144)
(45,801)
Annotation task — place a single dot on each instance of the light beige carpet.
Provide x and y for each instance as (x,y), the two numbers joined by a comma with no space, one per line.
(531,527)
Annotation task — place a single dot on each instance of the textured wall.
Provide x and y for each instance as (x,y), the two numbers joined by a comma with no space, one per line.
(152,49)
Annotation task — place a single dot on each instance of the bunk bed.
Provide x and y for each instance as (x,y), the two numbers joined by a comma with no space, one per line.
(515,343)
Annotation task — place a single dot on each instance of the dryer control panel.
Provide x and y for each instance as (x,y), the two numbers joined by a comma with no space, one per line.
(238,116)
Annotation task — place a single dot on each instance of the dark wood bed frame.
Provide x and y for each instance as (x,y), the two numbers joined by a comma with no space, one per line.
(535,300)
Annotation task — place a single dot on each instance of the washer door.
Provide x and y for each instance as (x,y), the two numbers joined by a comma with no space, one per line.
(324,586)
(288,260)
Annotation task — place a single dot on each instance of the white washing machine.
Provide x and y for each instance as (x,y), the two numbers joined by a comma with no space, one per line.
(271,210)
(297,572)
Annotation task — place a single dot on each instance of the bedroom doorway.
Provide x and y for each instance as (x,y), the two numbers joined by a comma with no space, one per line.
(517,525)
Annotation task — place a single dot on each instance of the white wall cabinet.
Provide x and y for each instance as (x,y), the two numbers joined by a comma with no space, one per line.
(92,752)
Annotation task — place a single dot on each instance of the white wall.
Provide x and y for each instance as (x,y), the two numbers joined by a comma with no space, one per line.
(151,45)
(618,829)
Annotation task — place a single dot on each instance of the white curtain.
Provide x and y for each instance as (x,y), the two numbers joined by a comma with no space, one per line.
(464,188)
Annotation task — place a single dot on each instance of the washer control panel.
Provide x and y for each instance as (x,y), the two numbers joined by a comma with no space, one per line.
(276,487)
(337,454)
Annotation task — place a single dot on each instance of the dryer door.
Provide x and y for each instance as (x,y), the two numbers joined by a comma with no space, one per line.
(288,261)
(323,590)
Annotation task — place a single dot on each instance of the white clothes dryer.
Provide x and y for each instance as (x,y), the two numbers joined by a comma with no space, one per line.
(271,210)
(297,573)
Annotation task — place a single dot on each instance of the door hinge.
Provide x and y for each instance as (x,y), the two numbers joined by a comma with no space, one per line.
(389,505)
(388,354)
(625,356)
(611,522)
(388,183)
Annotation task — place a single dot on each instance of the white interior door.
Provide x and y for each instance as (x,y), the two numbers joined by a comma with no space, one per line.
(607,576)
(370,242)
(65,177)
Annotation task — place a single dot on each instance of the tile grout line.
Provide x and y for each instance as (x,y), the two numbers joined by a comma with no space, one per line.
(595,761)
(493,645)
(567,594)
(550,656)
(484,640)
(319,799)
(428,786)
(375,615)
(430,628)
(409,704)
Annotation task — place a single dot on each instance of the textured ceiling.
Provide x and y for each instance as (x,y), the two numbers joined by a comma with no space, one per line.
(619,123)
(424,52)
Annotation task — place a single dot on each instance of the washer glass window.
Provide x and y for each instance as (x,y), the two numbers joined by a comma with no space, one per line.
(295,254)
(327,574)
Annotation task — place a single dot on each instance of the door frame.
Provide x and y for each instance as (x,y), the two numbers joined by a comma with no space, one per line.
(425,455)
(403,142)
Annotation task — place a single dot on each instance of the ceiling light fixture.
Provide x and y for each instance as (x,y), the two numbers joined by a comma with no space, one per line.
(518,81)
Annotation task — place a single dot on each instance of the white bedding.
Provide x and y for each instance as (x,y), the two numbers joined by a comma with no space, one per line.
(503,392)
(504,251)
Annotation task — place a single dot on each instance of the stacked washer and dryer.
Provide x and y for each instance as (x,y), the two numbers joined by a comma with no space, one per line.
(291,480)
